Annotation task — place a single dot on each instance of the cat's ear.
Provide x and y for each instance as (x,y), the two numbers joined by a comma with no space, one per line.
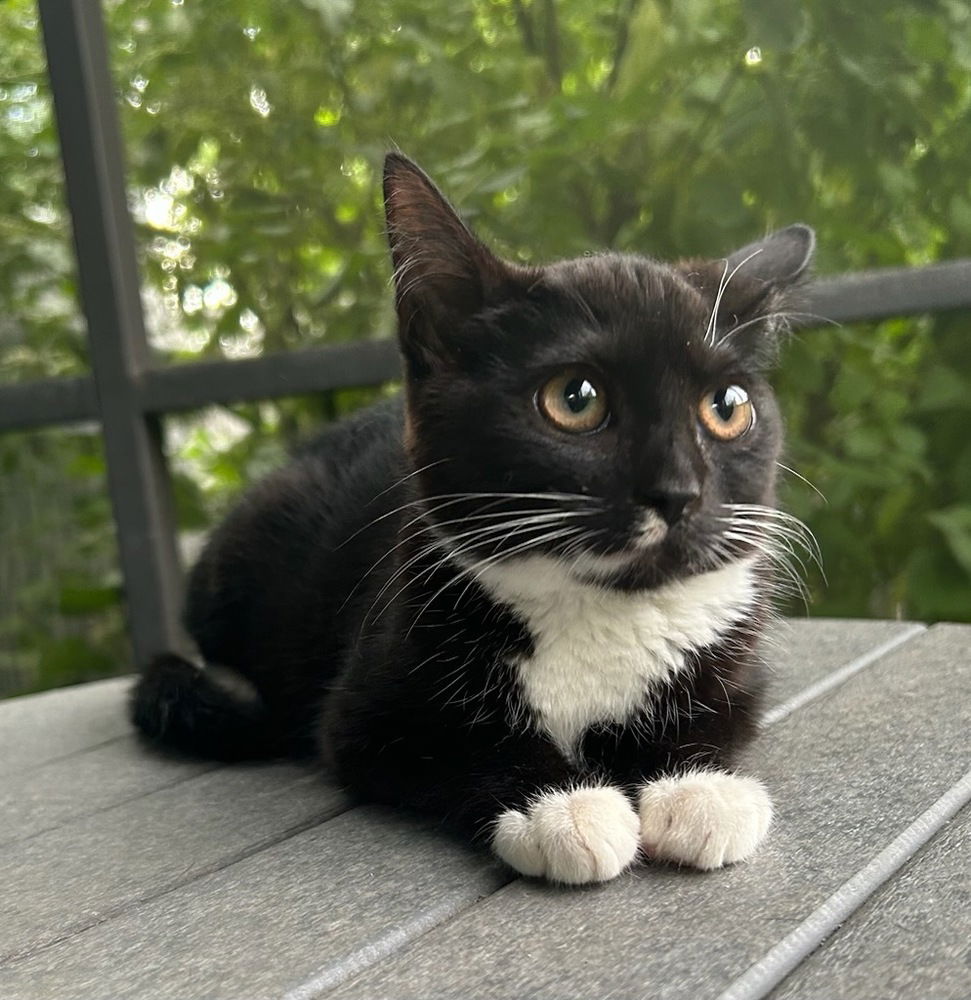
(755,287)
(442,273)
(777,261)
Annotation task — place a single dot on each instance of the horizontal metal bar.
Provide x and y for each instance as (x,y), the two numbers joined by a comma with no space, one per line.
(892,291)
(28,405)
(289,373)
(863,295)
(60,401)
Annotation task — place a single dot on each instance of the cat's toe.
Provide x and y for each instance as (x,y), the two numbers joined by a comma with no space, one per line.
(704,819)
(584,835)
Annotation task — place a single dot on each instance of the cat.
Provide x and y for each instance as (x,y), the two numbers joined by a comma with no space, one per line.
(525,597)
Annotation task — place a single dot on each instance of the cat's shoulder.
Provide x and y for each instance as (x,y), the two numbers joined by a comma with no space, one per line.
(378,425)
(328,482)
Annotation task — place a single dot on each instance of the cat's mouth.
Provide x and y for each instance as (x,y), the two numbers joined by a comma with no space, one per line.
(651,531)
(646,537)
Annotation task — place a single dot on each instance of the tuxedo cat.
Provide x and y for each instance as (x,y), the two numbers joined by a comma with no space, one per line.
(526,596)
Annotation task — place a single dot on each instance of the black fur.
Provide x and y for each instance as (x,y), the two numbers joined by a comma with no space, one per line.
(366,642)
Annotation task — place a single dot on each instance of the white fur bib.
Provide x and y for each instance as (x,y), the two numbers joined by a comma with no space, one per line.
(598,652)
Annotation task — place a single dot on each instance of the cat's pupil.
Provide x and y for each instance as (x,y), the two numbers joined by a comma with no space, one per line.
(725,401)
(578,394)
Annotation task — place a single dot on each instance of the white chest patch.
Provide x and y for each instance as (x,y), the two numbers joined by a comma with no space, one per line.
(597,653)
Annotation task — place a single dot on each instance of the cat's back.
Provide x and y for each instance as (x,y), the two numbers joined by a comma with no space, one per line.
(273,576)
(358,448)
(328,487)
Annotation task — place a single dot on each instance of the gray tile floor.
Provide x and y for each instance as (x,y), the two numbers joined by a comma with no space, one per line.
(123,874)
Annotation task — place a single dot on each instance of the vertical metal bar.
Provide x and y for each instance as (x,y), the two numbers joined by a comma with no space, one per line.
(138,481)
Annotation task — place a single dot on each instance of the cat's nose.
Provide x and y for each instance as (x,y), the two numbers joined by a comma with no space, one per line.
(671,504)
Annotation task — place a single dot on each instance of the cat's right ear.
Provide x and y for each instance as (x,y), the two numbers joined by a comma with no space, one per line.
(442,272)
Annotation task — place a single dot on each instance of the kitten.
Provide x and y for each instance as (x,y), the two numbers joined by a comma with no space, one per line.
(526,596)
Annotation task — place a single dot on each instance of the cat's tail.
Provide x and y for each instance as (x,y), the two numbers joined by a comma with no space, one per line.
(178,705)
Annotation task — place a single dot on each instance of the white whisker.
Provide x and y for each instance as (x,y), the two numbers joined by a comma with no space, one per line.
(723,284)
(780,537)
(478,535)
(459,497)
(477,567)
(799,475)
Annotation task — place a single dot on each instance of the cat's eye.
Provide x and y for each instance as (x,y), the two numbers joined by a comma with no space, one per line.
(727,413)
(573,401)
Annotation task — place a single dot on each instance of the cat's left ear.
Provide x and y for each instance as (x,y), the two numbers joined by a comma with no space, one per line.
(777,261)
(759,277)
(756,279)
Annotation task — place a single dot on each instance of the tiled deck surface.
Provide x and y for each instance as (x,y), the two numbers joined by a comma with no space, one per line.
(124,875)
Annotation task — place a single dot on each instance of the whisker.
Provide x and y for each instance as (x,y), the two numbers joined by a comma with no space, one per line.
(779,560)
(779,536)
(784,316)
(487,534)
(771,519)
(477,567)
(538,516)
(723,284)
(758,510)
(410,475)
(478,535)
(459,497)
(787,543)
(799,475)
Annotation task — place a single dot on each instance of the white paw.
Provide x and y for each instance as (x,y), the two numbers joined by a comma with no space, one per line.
(705,819)
(584,835)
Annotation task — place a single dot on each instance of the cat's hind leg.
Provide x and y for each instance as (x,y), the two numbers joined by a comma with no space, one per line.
(202,712)
(703,818)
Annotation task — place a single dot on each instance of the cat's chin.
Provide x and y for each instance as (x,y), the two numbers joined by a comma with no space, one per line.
(643,566)
(591,567)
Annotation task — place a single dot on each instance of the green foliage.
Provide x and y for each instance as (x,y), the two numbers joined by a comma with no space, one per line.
(60,593)
(255,132)
(41,330)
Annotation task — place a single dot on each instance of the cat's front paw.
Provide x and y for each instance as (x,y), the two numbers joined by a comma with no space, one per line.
(583,835)
(705,819)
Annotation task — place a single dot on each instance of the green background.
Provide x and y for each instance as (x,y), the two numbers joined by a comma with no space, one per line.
(255,131)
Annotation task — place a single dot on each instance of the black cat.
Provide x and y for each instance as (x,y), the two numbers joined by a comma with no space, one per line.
(526,597)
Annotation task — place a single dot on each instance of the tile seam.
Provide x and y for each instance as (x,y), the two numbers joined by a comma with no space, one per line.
(838,677)
(388,944)
(150,897)
(108,807)
(123,801)
(60,758)
(765,974)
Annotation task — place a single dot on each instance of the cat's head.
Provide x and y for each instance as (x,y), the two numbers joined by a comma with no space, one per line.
(610,411)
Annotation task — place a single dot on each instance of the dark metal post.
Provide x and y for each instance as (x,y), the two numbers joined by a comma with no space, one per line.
(84,100)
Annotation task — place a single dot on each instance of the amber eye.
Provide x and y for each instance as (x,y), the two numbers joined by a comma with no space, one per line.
(573,401)
(727,413)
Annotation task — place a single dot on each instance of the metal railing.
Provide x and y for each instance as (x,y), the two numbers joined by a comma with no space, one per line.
(129,394)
